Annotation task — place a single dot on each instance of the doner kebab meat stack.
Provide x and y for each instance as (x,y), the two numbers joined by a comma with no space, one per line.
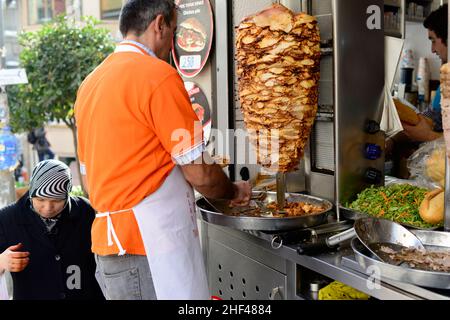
(445,104)
(278,57)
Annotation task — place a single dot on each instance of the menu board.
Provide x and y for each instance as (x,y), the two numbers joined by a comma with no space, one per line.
(201,107)
(193,39)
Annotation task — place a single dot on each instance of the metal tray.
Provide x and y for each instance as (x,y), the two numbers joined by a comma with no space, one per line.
(351,214)
(432,240)
(268,223)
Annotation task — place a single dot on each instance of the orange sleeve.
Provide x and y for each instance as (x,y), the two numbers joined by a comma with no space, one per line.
(175,122)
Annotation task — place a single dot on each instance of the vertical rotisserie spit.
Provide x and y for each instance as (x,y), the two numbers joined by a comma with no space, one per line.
(278,56)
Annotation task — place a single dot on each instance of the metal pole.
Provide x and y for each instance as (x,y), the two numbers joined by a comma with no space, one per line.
(447,177)
(447,195)
(7,189)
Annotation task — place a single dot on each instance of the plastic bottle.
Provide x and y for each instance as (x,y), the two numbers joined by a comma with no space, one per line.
(3,113)
(423,80)
(8,150)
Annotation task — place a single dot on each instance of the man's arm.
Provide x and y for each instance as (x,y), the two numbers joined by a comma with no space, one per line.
(212,182)
(422,132)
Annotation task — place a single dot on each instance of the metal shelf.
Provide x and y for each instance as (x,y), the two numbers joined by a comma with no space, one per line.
(393,33)
(393,3)
(415,19)
(420,2)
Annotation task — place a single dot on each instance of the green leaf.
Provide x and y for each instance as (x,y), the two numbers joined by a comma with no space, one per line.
(57,59)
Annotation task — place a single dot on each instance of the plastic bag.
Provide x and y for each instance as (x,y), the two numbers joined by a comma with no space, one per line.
(427,164)
(390,181)
(339,291)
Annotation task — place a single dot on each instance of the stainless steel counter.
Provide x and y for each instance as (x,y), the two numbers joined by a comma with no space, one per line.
(244,265)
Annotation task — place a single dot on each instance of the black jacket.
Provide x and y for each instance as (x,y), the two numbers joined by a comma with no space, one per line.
(62,265)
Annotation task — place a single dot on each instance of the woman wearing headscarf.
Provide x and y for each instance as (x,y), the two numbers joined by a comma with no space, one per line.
(45,239)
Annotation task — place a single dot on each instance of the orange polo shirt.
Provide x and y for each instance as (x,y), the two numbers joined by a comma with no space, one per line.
(133,117)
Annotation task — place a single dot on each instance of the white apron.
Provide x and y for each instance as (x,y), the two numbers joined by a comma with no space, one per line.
(4,295)
(168,225)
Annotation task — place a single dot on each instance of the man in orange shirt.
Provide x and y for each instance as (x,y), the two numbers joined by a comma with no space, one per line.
(141,151)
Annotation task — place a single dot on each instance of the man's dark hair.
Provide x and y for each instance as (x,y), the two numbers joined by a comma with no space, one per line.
(136,15)
(437,21)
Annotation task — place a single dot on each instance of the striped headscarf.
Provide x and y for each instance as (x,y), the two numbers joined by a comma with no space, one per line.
(51,179)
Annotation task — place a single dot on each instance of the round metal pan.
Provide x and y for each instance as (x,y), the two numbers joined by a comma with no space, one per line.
(432,240)
(268,223)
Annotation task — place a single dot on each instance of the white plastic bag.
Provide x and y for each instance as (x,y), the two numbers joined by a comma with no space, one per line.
(390,121)
(427,164)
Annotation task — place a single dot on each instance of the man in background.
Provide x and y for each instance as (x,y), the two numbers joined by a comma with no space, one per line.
(38,138)
(429,128)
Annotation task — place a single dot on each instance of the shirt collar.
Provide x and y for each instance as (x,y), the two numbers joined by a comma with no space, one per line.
(140,45)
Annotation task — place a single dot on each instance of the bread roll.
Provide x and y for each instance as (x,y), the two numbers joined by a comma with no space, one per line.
(406,114)
(432,207)
(435,166)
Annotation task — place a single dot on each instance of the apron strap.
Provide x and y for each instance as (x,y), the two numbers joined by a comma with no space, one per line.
(111,232)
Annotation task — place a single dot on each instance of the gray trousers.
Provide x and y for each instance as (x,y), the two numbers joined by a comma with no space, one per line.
(125,277)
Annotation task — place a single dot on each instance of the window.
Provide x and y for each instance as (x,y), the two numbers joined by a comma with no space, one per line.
(110,9)
(41,11)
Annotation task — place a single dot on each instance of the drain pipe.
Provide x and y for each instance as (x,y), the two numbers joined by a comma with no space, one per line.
(447,179)
(447,195)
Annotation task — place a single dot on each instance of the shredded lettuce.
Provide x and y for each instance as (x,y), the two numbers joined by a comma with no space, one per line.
(399,203)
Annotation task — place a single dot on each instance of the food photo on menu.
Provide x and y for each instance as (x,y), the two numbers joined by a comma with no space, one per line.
(191,36)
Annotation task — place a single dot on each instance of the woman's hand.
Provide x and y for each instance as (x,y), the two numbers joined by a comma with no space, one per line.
(13,260)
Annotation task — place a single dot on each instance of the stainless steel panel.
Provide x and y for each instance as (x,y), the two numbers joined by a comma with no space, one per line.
(323,142)
(234,276)
(243,242)
(322,10)
(321,185)
(222,89)
(295,181)
(294,5)
(321,7)
(326,88)
(359,85)
(326,26)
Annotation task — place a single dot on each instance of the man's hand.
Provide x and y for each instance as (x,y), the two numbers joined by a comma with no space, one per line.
(243,193)
(422,132)
(13,260)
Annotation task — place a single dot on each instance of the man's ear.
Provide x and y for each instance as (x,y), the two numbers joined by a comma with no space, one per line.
(159,24)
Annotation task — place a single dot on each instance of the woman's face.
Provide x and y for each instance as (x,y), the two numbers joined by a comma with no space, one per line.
(48,208)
